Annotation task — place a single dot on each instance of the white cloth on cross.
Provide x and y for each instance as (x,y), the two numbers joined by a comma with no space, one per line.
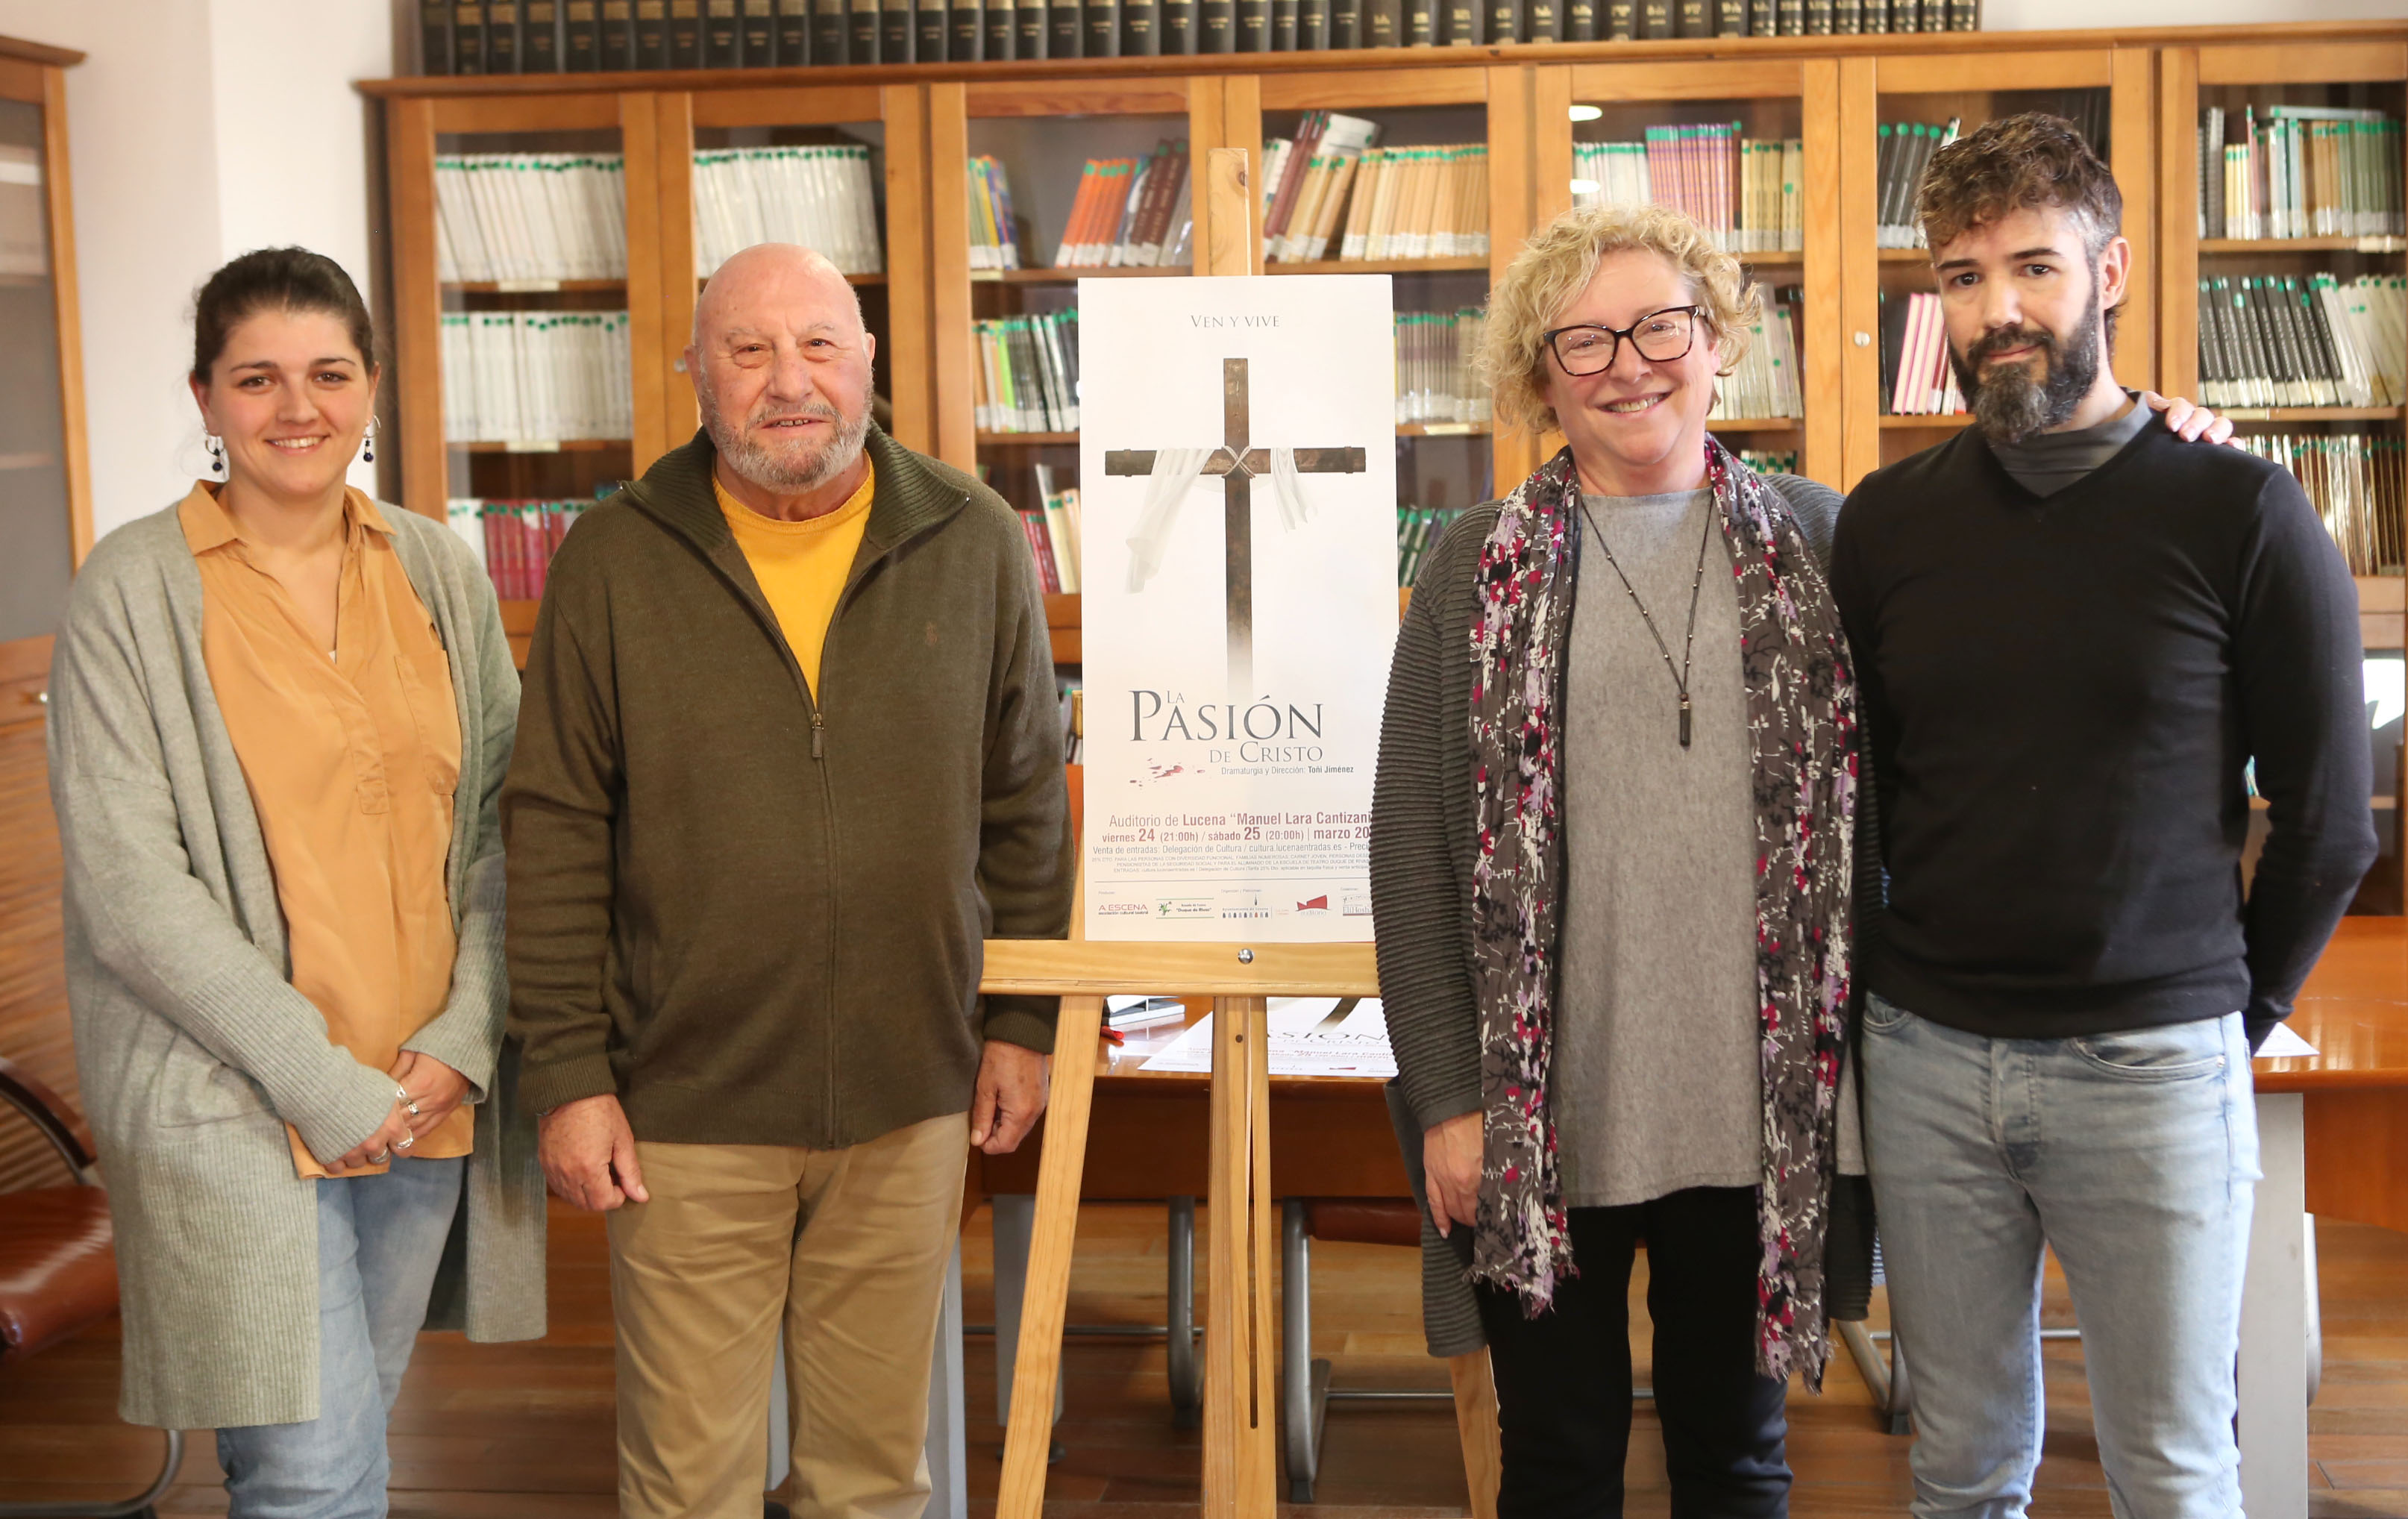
(1175,473)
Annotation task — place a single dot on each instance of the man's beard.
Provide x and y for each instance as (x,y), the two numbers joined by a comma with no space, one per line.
(2008,403)
(774,469)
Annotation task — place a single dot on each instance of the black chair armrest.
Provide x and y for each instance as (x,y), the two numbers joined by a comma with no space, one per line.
(58,1123)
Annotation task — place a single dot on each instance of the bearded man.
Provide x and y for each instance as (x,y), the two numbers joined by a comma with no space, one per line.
(2073,633)
(789,750)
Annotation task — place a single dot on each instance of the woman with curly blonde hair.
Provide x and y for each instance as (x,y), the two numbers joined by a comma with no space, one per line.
(1612,850)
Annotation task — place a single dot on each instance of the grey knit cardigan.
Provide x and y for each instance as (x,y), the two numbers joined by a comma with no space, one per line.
(193,1046)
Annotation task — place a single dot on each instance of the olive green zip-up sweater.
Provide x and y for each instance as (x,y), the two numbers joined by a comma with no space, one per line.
(754,917)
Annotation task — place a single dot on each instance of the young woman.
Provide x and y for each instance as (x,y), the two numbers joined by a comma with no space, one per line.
(280,715)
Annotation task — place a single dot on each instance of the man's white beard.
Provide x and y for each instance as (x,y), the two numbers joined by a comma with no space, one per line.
(769,468)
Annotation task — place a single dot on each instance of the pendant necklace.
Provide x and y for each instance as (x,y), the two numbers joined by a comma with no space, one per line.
(1688,644)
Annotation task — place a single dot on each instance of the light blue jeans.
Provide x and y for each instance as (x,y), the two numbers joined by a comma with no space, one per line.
(2134,1157)
(380,1241)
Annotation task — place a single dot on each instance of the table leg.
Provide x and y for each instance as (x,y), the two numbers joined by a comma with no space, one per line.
(2275,1321)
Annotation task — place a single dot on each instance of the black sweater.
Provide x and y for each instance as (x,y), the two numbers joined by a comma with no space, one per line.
(2062,693)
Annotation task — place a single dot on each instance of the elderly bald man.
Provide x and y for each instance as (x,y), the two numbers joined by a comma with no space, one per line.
(789,749)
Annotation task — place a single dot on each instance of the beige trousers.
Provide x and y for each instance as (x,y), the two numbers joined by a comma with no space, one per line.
(851,1246)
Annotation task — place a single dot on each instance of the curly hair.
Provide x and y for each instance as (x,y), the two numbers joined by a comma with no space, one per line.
(2019,162)
(1556,265)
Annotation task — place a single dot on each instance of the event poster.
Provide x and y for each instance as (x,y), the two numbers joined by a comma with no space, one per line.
(1238,571)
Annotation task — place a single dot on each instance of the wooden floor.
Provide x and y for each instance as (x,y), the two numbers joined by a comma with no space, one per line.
(483,1432)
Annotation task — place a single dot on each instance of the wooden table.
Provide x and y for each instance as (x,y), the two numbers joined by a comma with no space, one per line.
(2332,1132)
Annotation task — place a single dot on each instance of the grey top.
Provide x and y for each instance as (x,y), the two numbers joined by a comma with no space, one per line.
(193,1046)
(1656,1085)
(1420,888)
(2047,462)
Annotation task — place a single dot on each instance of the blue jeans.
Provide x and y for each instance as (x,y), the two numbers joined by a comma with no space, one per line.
(380,1241)
(2134,1157)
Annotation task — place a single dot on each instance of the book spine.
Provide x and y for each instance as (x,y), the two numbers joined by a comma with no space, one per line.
(615,36)
(1217,25)
(1622,21)
(723,34)
(1763,18)
(1285,26)
(996,18)
(1179,33)
(1818,18)
(539,38)
(468,36)
(435,37)
(1103,29)
(1544,19)
(581,37)
(897,29)
(1655,19)
(1964,15)
(1383,24)
(1694,17)
(502,36)
(686,33)
(1792,14)
(1253,23)
(1580,21)
(1312,25)
(861,27)
(760,35)
(831,27)
(1731,18)
(1065,23)
(964,32)
(1141,28)
(1346,23)
(1847,17)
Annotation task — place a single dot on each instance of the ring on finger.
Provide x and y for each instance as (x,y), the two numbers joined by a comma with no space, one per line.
(411,1109)
(404,1141)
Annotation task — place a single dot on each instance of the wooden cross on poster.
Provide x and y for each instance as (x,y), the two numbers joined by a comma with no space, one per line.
(1237,463)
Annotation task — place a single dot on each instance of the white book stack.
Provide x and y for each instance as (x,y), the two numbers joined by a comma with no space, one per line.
(529,221)
(824,199)
(535,378)
(1765,384)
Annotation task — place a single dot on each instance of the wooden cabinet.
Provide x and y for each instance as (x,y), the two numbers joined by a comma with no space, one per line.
(45,530)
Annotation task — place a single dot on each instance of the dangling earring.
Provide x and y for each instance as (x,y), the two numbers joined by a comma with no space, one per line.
(217,453)
(368,443)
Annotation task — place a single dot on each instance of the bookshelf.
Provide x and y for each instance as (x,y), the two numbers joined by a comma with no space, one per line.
(1043,119)
(1773,101)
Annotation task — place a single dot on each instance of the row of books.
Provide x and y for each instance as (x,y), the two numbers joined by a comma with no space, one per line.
(1435,380)
(514,540)
(1904,152)
(2279,341)
(994,232)
(1028,374)
(1392,203)
(1305,180)
(1418,530)
(822,197)
(530,217)
(1052,529)
(1769,461)
(1765,383)
(2359,484)
(1747,192)
(536,377)
(1917,380)
(1128,212)
(2299,171)
(545,36)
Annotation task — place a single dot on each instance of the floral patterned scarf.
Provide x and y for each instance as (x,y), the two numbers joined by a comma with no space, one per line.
(1802,712)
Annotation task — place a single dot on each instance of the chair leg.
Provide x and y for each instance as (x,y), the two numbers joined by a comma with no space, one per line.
(132,1508)
(1186,1372)
(1475,1426)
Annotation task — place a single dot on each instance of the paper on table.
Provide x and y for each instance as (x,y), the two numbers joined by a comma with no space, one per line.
(2283,1044)
(1307,1037)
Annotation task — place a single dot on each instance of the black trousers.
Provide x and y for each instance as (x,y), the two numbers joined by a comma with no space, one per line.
(1563,1379)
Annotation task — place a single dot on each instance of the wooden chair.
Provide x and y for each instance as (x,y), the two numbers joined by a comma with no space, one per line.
(58,1271)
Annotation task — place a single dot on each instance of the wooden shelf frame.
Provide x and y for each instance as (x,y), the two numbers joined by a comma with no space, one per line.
(2184,74)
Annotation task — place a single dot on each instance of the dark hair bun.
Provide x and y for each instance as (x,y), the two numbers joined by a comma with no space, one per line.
(278,279)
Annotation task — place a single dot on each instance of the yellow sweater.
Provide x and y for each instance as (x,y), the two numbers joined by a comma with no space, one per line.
(801,566)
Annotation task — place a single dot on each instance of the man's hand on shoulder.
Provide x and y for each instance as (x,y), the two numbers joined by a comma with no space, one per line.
(2188,422)
(588,1154)
(1010,1096)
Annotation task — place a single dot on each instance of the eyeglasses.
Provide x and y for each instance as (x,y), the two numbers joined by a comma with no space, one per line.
(1660,336)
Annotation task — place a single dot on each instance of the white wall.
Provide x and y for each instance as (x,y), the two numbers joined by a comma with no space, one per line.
(197,129)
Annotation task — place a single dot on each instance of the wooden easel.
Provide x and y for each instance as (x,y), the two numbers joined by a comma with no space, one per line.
(1240,1355)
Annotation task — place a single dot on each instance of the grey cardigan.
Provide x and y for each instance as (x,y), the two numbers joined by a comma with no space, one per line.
(193,1048)
(1422,894)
